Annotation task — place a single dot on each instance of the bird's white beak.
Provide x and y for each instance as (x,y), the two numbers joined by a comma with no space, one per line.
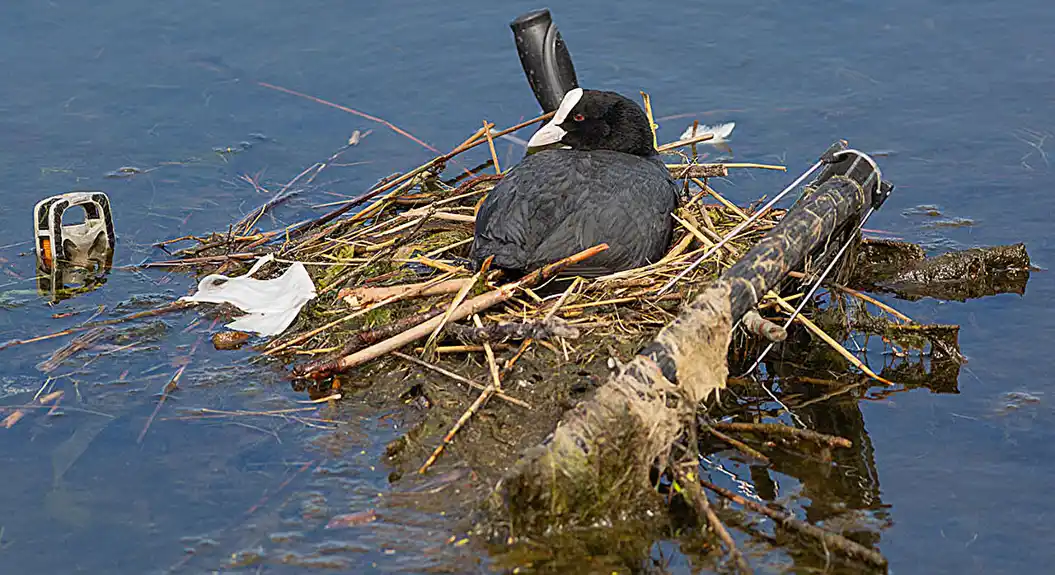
(552,133)
(549,134)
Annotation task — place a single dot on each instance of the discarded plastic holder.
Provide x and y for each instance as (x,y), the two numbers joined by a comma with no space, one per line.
(73,258)
(73,243)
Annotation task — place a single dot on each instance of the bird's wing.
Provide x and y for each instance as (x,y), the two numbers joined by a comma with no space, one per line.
(630,212)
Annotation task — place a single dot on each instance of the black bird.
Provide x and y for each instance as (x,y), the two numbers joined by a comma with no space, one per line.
(607,185)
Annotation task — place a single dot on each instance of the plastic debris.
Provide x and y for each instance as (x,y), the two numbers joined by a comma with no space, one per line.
(73,243)
(270,305)
(73,258)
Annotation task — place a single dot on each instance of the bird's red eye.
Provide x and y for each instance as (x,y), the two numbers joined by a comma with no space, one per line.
(579,117)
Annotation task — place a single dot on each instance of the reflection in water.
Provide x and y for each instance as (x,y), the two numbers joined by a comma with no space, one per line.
(851,481)
(838,489)
(64,280)
(835,488)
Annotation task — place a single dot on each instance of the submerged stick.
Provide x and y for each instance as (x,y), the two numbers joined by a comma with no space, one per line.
(827,538)
(739,445)
(172,385)
(79,344)
(867,298)
(863,297)
(20,411)
(353,111)
(174,306)
(786,431)
(690,489)
(817,331)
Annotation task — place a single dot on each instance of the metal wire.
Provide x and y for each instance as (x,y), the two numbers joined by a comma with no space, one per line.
(817,284)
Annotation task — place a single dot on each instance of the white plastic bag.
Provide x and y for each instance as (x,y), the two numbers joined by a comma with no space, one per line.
(270,305)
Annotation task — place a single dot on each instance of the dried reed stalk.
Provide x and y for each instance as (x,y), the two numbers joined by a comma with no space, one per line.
(474,305)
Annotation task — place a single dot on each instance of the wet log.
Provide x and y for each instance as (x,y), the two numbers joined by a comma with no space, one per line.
(904,270)
(597,461)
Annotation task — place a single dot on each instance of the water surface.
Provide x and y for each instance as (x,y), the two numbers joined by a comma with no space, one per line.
(956,95)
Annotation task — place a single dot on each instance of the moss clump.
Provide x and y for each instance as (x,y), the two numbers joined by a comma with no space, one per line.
(331,273)
(376,317)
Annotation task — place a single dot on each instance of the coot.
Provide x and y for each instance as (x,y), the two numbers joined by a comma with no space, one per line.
(606,185)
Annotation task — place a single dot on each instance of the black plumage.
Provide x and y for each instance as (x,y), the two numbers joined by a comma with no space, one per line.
(609,186)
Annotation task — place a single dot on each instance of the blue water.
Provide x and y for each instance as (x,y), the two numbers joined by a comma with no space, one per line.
(958,96)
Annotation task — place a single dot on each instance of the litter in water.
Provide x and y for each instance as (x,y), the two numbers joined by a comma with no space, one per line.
(270,305)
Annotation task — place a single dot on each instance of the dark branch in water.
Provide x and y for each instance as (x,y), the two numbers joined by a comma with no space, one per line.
(698,499)
(829,539)
(785,431)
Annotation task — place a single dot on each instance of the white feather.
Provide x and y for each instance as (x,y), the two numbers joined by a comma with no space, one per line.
(721,132)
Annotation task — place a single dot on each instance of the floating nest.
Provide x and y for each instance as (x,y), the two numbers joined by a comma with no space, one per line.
(404,260)
(400,260)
